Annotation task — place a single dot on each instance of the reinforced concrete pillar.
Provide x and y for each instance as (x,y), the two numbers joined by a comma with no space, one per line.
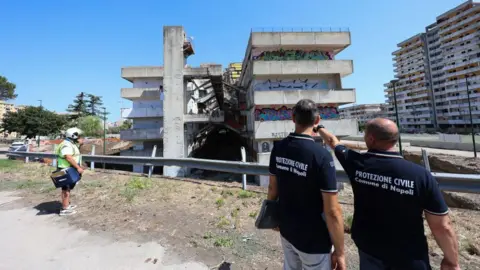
(173,103)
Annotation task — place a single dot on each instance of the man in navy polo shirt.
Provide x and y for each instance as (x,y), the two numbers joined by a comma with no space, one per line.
(303,181)
(390,196)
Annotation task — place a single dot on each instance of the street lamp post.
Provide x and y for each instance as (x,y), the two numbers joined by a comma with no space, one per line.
(394,82)
(471,119)
(38,138)
(104,132)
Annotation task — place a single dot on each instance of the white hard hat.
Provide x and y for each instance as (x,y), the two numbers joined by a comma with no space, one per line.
(73,133)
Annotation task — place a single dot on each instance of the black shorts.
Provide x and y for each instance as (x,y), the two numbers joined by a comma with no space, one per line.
(69,187)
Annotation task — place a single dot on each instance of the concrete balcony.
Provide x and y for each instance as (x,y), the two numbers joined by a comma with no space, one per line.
(140,93)
(142,113)
(131,73)
(303,67)
(141,134)
(215,117)
(314,40)
(288,97)
(281,129)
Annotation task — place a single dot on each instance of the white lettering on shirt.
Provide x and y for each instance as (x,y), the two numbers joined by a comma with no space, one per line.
(292,166)
(402,186)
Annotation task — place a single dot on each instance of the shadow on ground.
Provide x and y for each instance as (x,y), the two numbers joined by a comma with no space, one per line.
(48,208)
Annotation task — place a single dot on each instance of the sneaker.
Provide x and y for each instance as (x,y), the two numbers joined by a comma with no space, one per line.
(67,212)
(71,207)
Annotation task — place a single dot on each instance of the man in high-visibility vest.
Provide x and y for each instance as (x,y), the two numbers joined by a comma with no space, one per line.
(68,155)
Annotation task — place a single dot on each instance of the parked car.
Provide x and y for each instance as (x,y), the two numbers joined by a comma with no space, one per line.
(16,147)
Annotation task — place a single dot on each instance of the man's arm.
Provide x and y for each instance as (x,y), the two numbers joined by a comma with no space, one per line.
(445,237)
(331,207)
(72,162)
(330,139)
(272,188)
(272,185)
(436,214)
(334,220)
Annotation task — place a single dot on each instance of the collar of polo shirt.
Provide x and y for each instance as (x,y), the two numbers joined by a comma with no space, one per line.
(300,136)
(384,153)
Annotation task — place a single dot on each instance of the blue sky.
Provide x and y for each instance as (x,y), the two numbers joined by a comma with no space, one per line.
(55,49)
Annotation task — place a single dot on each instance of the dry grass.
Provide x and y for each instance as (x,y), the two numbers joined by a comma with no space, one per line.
(200,220)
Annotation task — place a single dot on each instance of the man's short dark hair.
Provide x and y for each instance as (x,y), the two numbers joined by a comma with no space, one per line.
(305,112)
(381,132)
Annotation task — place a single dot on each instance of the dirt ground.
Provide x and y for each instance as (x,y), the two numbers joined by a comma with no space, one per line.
(207,221)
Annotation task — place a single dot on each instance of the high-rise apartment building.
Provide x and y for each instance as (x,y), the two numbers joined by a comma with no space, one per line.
(432,70)
(363,112)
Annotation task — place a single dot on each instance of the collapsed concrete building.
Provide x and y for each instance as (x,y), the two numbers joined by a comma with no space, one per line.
(180,108)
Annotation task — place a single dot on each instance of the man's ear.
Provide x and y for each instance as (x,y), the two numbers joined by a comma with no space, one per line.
(293,118)
(317,120)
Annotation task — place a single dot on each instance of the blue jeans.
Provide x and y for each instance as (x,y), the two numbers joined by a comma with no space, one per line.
(368,262)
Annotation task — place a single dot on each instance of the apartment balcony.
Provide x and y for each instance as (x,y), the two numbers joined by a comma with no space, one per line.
(457,25)
(459,122)
(459,32)
(321,96)
(473,36)
(312,39)
(456,17)
(140,93)
(131,73)
(215,117)
(141,134)
(303,67)
(281,129)
(463,72)
(142,112)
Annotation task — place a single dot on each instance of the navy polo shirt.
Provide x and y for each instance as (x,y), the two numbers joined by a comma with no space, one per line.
(303,170)
(390,196)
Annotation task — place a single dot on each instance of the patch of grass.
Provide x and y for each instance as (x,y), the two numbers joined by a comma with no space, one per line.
(7,165)
(347,224)
(29,184)
(213,189)
(220,202)
(139,183)
(226,193)
(223,222)
(48,189)
(472,249)
(253,214)
(94,184)
(244,194)
(134,186)
(208,235)
(223,242)
(235,212)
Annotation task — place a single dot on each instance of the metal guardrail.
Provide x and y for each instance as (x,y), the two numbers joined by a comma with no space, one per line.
(467,183)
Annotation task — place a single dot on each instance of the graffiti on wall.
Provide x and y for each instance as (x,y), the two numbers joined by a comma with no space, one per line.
(285,113)
(299,84)
(280,55)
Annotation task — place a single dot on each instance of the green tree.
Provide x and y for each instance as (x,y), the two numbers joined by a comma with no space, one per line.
(79,106)
(91,126)
(116,130)
(7,89)
(32,122)
(94,104)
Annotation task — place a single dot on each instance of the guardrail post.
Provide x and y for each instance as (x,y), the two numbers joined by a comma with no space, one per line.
(28,150)
(54,161)
(244,159)
(154,154)
(426,162)
(92,164)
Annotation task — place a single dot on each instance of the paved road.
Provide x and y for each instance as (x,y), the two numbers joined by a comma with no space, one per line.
(31,241)
(2,148)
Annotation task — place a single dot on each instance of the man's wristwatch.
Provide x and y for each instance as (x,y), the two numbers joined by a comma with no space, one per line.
(317,128)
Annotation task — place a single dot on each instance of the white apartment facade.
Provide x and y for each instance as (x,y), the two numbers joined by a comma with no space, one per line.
(363,112)
(281,68)
(432,70)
